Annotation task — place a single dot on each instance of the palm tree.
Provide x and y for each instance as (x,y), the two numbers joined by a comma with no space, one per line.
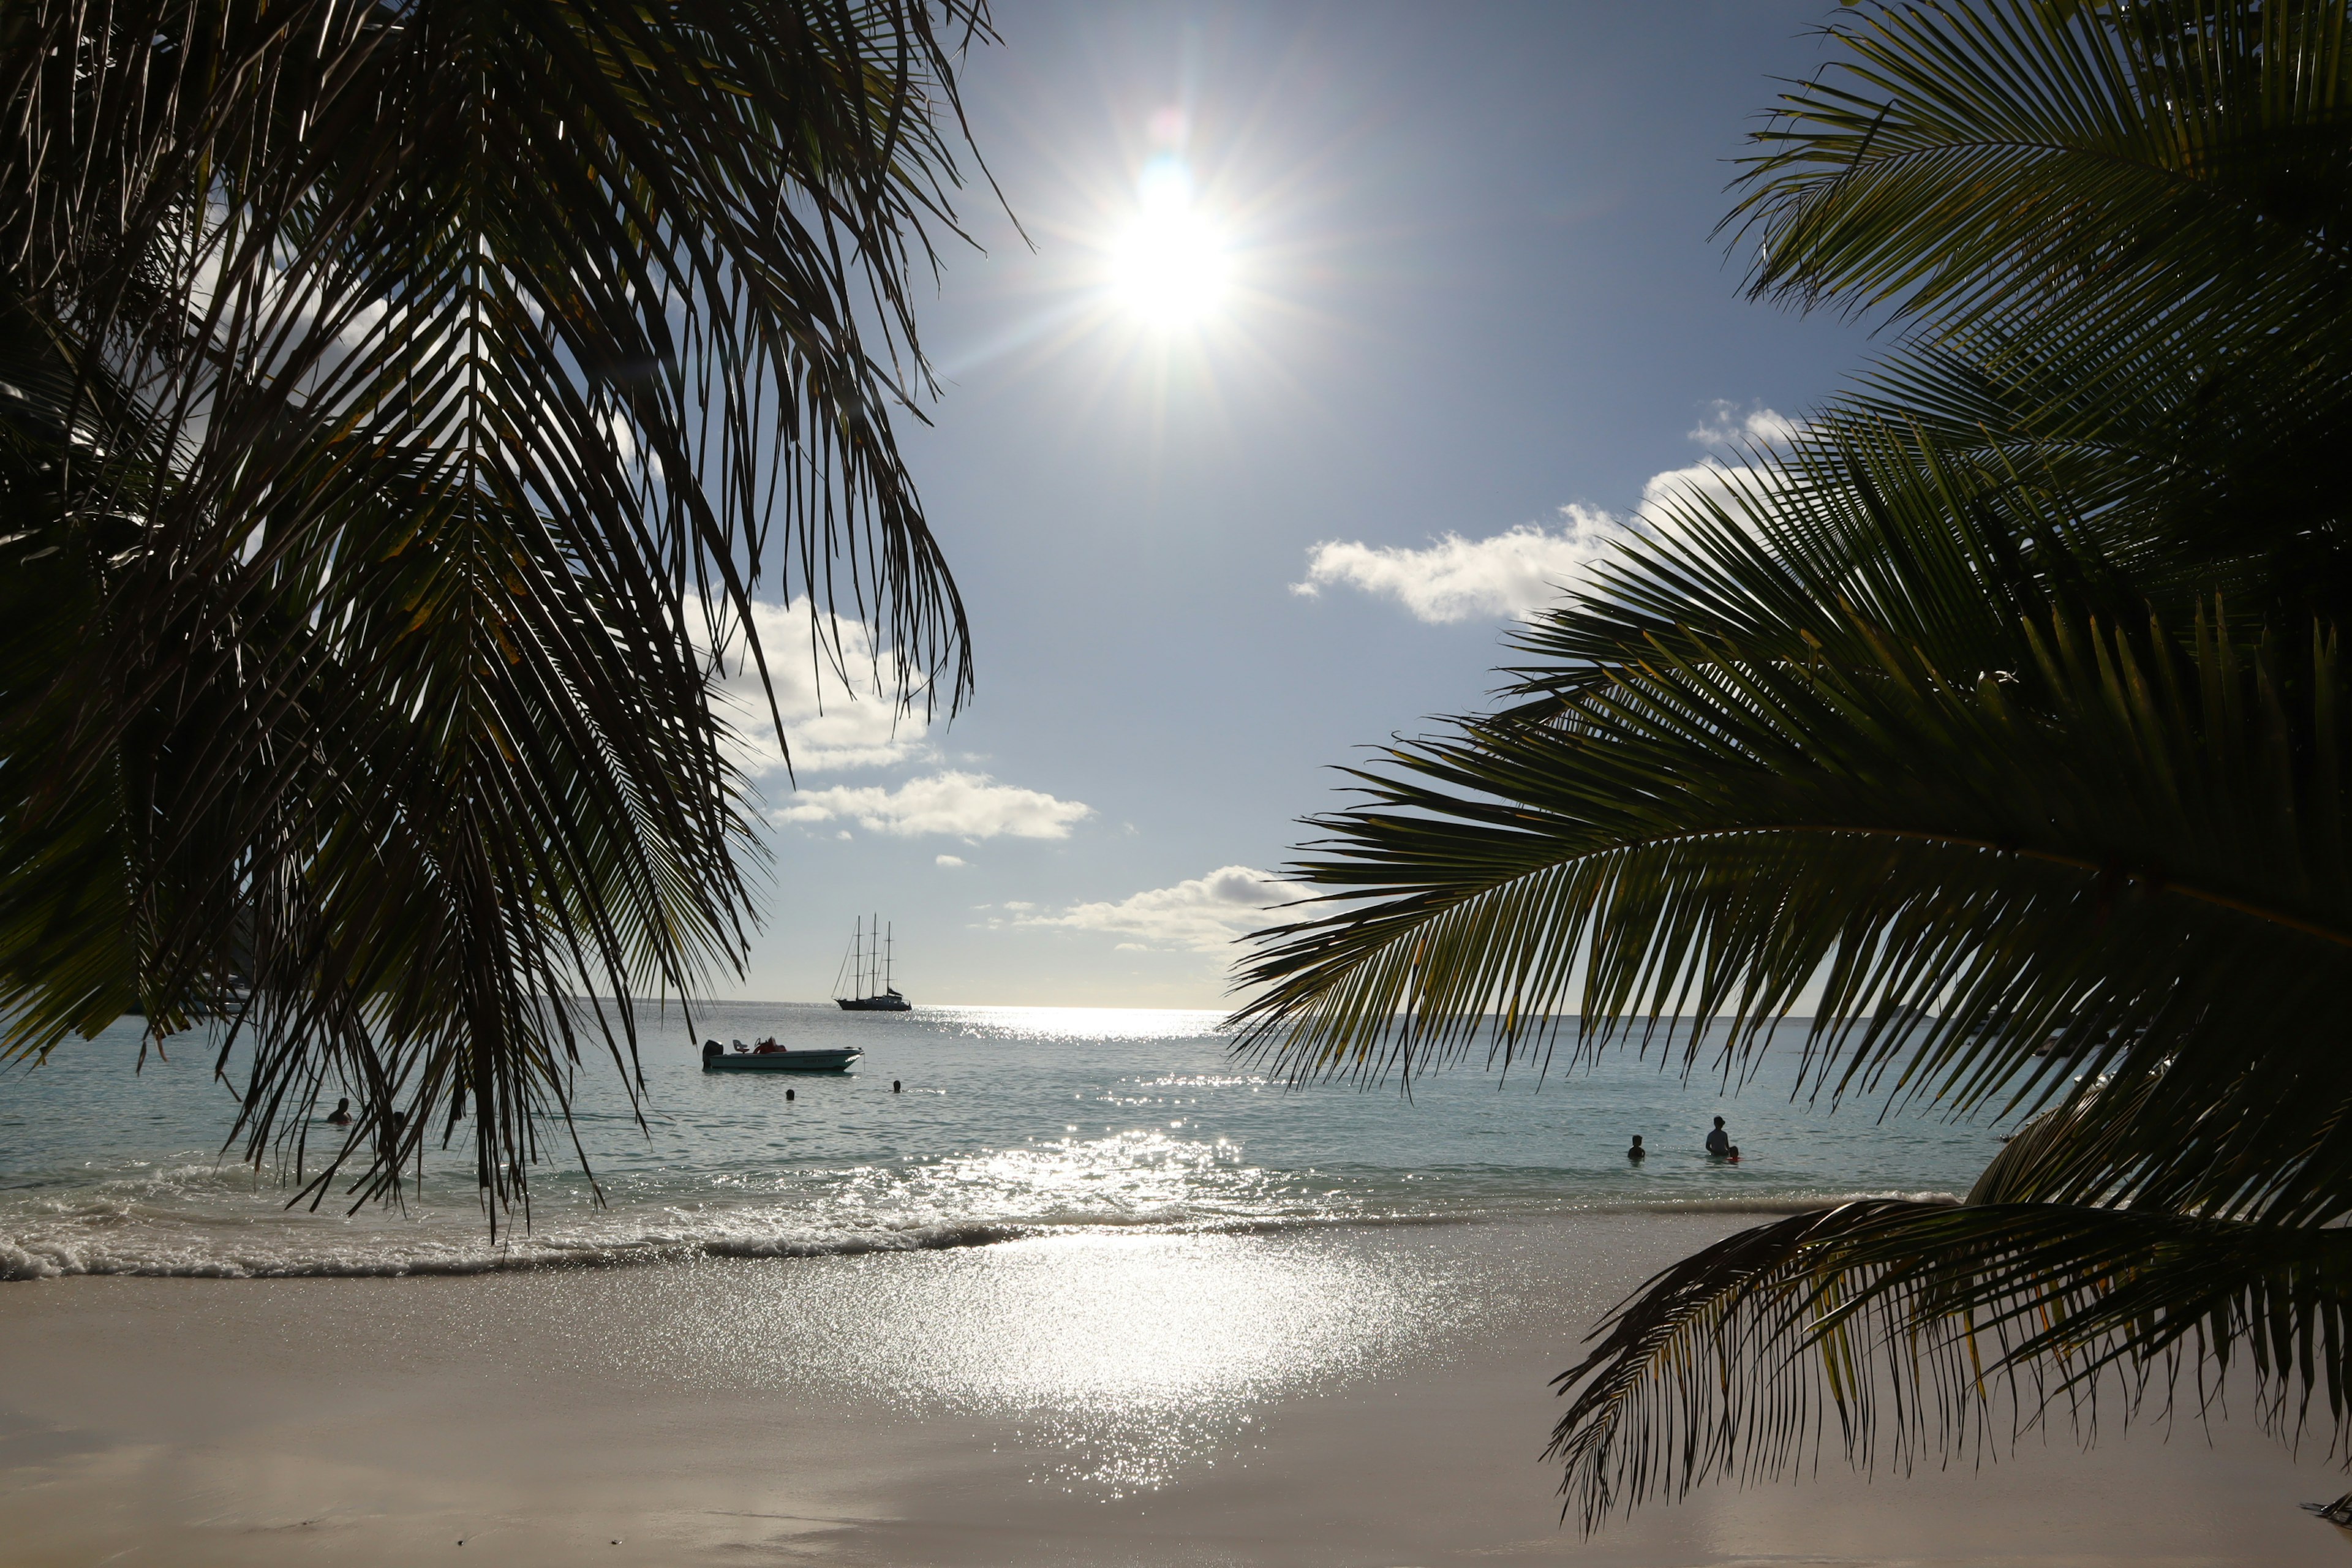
(401,403)
(2012,690)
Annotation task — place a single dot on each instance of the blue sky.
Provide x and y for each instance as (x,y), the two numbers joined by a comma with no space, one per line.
(1469,310)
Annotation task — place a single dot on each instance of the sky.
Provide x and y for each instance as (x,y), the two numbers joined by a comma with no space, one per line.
(1331,338)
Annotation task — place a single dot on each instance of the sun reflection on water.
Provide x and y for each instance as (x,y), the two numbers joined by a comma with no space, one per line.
(1125,1357)
(1029,1025)
(1124,1177)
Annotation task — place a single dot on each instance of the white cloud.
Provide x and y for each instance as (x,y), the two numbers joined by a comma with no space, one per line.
(831,724)
(950,861)
(1724,425)
(1524,568)
(1739,436)
(1459,579)
(1201,915)
(964,805)
(1708,479)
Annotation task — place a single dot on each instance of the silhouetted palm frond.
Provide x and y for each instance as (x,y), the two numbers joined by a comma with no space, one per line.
(422,391)
(2002,708)
(1869,718)
(1914,1331)
(2119,237)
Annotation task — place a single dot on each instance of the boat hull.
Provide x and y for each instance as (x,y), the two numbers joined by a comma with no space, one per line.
(782,1061)
(889,1003)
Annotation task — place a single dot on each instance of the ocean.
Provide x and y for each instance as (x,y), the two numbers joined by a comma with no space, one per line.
(1013,1122)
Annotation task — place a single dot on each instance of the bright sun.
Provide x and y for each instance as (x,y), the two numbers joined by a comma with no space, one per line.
(1170,267)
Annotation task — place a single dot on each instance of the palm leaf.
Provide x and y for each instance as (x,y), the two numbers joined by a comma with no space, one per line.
(1909,1329)
(2129,837)
(2114,231)
(2011,691)
(458,373)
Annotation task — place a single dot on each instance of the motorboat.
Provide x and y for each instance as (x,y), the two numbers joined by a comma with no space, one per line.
(770,1057)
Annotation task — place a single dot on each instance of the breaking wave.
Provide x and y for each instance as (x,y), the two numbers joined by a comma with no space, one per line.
(170,1250)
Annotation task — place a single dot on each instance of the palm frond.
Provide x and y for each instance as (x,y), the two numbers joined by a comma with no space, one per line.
(2003,708)
(1909,1330)
(2115,235)
(430,388)
(2037,827)
(2011,159)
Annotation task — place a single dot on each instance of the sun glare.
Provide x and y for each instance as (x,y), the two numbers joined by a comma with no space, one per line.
(1170,268)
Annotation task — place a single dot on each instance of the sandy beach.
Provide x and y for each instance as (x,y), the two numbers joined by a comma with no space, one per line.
(1309,1398)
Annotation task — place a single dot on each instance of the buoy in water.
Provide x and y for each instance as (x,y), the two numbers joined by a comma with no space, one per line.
(788,1094)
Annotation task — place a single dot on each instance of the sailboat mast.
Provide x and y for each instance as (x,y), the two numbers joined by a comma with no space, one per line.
(857,962)
(889,945)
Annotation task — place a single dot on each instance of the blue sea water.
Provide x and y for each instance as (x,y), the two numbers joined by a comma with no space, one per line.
(1012,1121)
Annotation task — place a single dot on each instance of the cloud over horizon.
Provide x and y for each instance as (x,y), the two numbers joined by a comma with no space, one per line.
(1201,914)
(953,803)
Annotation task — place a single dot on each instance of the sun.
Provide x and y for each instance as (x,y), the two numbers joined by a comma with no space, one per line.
(1171,266)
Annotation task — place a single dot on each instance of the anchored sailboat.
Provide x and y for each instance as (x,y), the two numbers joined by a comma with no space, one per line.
(867,965)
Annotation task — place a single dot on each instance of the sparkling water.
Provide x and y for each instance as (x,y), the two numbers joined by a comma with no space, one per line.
(1012,1121)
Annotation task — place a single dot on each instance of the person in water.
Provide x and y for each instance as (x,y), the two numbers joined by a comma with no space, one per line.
(342,1115)
(1637,1154)
(1720,1144)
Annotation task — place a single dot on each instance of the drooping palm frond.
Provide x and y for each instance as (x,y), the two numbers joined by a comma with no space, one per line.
(2117,235)
(432,388)
(1910,1330)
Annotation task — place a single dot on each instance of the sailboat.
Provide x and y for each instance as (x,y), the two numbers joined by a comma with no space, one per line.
(867,963)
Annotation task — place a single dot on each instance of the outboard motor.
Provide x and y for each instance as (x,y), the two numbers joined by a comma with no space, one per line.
(712,1049)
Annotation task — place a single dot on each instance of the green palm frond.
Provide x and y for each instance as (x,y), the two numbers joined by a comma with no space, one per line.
(424,391)
(1908,1329)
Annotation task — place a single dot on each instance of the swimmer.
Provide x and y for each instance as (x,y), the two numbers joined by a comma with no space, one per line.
(1718,1142)
(1637,1154)
(342,1115)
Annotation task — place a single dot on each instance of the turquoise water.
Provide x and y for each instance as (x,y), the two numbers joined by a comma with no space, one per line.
(1014,1122)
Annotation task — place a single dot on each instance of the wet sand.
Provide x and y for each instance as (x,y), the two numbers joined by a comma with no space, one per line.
(1370,1396)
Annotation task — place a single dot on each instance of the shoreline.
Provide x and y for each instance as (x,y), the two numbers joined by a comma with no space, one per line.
(31,1261)
(1327,1399)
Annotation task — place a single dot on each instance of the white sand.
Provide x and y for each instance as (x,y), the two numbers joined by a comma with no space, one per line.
(1345,1397)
